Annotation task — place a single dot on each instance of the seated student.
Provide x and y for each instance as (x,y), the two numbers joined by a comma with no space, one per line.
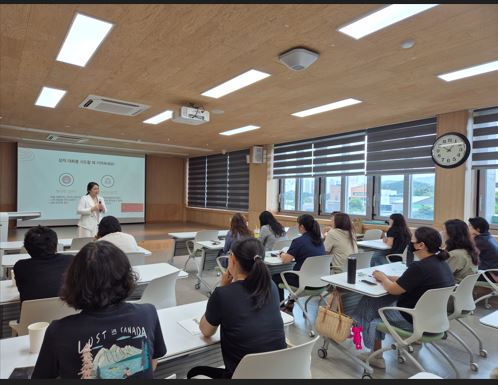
(430,272)
(238,230)
(463,258)
(486,244)
(271,230)
(109,338)
(397,238)
(247,308)
(309,244)
(110,230)
(41,276)
(340,241)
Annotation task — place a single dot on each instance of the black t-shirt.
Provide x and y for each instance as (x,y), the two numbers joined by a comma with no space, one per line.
(41,277)
(117,342)
(245,330)
(399,242)
(420,276)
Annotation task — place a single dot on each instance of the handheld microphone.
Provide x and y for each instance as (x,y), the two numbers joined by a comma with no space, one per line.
(100,202)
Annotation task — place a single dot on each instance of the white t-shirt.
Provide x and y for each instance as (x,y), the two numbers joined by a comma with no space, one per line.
(125,242)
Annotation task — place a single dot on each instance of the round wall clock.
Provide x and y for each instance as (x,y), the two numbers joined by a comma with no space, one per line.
(450,150)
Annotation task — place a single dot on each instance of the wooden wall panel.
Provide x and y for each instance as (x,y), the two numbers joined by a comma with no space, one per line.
(8,177)
(165,189)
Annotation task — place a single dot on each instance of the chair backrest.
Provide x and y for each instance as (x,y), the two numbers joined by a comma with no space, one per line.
(136,258)
(372,234)
(281,243)
(42,310)
(294,362)
(463,299)
(293,232)
(220,265)
(362,260)
(312,269)
(78,243)
(161,292)
(430,311)
(206,235)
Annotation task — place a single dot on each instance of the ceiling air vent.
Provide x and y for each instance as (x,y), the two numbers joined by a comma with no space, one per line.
(66,139)
(112,106)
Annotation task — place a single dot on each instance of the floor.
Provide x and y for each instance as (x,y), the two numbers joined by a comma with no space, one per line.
(336,365)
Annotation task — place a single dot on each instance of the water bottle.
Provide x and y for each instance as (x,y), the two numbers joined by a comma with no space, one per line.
(352,270)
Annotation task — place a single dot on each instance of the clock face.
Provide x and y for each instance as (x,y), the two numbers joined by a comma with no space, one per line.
(450,150)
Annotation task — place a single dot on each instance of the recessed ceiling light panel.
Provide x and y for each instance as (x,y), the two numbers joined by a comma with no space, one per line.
(326,107)
(383,18)
(159,118)
(84,37)
(238,82)
(471,71)
(50,97)
(239,130)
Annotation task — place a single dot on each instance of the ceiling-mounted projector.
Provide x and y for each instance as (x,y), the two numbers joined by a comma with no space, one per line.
(298,59)
(190,115)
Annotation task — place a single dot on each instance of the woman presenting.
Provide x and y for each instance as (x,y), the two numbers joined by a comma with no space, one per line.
(91,208)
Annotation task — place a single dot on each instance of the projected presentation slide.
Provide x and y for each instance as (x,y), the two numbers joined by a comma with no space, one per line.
(53,181)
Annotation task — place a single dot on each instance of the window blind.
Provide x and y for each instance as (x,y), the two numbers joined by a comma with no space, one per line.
(403,148)
(485,138)
(238,180)
(197,182)
(217,180)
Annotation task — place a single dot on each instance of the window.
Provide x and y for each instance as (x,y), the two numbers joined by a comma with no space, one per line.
(289,194)
(356,200)
(306,195)
(333,194)
(488,196)
(391,195)
(422,196)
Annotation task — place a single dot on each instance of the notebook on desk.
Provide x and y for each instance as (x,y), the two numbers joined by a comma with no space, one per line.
(191,325)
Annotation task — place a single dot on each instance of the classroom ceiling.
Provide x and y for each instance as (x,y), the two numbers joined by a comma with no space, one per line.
(166,55)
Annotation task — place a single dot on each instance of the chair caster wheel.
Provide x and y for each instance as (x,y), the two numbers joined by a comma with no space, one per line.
(483,353)
(474,367)
(322,353)
(410,349)
(197,286)
(311,333)
(401,359)
(366,376)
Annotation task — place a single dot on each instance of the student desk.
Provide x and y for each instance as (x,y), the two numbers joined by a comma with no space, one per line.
(9,295)
(210,250)
(184,350)
(15,246)
(275,264)
(376,244)
(490,320)
(340,280)
(180,240)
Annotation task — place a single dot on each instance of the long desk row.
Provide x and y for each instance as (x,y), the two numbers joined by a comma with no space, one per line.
(184,349)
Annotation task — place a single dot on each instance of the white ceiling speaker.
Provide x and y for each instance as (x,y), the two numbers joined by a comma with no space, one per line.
(298,59)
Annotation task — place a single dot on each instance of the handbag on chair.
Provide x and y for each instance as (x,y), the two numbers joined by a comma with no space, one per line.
(333,324)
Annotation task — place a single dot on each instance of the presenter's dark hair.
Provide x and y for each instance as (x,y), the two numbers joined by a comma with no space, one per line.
(108,225)
(249,253)
(432,241)
(99,275)
(267,218)
(312,227)
(40,241)
(89,186)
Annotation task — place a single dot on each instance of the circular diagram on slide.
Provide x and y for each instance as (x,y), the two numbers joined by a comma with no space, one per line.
(66,179)
(107,181)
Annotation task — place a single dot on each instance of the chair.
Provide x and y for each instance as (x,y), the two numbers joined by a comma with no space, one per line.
(425,376)
(392,258)
(281,243)
(293,232)
(40,310)
(372,234)
(310,284)
(136,258)
(362,262)
(430,322)
(463,306)
(489,285)
(78,243)
(220,266)
(293,362)
(194,250)
(160,292)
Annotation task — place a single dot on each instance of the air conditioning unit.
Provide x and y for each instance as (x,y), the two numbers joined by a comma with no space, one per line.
(190,115)
(257,155)
(66,139)
(112,106)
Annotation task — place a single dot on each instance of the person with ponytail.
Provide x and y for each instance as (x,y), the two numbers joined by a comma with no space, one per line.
(271,230)
(464,256)
(340,241)
(246,307)
(310,244)
(431,271)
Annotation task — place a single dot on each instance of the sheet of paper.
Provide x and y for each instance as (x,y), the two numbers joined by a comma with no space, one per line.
(191,325)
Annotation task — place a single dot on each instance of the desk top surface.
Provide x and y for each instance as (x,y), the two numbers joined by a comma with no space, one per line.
(212,245)
(17,245)
(14,352)
(376,290)
(490,320)
(192,234)
(374,244)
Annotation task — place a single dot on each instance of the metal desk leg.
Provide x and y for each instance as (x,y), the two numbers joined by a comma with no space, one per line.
(199,273)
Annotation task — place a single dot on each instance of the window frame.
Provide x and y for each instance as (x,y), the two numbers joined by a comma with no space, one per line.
(481,188)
